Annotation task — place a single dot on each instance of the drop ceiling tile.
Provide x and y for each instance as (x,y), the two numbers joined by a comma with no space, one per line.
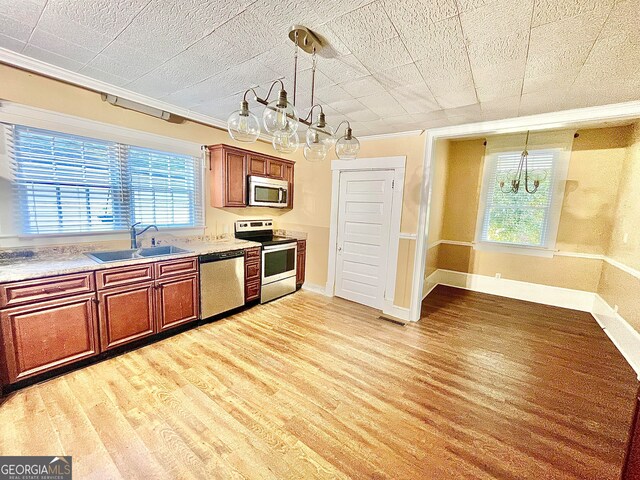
(346,107)
(53,58)
(547,11)
(498,89)
(121,68)
(342,69)
(399,76)
(534,103)
(304,83)
(384,55)
(11,43)
(23,11)
(108,17)
(435,39)
(332,45)
(98,74)
(416,98)
(280,59)
(15,29)
(412,17)
(71,31)
(363,87)
(384,105)
(623,18)
(170,27)
(543,83)
(457,97)
(363,115)
(332,94)
(466,5)
(60,46)
(364,26)
(567,58)
(282,15)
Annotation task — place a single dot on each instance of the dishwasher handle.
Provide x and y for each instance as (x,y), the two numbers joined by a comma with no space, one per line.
(215,257)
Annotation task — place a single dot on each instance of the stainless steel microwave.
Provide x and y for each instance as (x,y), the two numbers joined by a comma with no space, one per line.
(268,192)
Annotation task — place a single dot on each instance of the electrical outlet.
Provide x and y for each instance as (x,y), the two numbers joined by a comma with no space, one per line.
(625,237)
(498,275)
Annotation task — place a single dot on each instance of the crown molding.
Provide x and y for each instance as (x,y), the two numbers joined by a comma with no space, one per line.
(23,62)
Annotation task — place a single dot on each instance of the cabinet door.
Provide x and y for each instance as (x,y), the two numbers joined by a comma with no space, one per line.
(235,178)
(46,335)
(257,165)
(275,169)
(300,262)
(177,301)
(126,314)
(288,176)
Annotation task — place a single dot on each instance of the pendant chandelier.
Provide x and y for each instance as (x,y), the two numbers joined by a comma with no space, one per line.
(510,182)
(280,117)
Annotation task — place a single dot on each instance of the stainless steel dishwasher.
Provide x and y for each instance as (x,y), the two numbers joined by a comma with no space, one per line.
(221,282)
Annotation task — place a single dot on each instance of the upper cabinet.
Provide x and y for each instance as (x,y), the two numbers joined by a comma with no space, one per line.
(230,167)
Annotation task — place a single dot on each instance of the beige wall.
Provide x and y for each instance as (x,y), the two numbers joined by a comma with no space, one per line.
(587,215)
(311,212)
(617,287)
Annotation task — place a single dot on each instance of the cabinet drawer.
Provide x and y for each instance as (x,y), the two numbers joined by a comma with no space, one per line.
(251,253)
(252,271)
(251,290)
(171,268)
(19,293)
(116,277)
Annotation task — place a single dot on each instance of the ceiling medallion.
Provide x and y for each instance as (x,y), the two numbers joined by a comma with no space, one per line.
(280,118)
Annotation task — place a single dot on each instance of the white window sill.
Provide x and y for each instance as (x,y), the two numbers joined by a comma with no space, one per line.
(513,249)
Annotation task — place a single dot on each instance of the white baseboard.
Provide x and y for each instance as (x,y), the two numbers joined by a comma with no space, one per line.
(398,312)
(624,336)
(531,292)
(314,288)
(620,332)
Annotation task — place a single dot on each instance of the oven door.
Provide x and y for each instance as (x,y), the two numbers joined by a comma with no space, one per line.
(278,262)
(268,193)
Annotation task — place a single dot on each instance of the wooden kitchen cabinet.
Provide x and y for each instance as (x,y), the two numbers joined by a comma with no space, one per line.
(177,301)
(126,314)
(230,167)
(301,260)
(229,176)
(252,273)
(43,336)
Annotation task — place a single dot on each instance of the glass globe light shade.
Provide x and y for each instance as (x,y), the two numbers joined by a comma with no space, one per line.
(315,154)
(243,126)
(280,116)
(320,134)
(347,147)
(284,142)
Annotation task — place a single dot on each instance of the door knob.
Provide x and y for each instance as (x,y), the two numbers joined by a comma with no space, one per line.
(339,249)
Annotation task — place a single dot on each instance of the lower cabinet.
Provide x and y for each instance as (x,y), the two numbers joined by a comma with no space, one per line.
(42,336)
(252,273)
(126,314)
(177,301)
(144,308)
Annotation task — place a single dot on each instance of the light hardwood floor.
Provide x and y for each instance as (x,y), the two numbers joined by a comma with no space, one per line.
(312,387)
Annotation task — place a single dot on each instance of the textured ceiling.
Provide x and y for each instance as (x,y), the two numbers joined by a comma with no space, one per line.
(391,65)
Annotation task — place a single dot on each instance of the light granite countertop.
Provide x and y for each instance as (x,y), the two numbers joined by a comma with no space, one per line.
(46,264)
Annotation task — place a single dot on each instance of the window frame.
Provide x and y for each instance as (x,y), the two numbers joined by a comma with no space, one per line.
(558,142)
(16,114)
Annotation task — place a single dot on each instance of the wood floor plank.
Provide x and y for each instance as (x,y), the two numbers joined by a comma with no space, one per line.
(314,387)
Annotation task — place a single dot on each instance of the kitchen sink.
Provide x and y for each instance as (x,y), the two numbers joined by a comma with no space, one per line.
(132,254)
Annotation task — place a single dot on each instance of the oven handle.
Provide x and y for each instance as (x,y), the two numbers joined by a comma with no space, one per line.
(276,248)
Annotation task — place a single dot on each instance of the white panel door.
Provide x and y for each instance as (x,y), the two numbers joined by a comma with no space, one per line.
(364,222)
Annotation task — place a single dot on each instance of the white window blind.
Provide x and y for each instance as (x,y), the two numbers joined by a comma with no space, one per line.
(518,218)
(72,184)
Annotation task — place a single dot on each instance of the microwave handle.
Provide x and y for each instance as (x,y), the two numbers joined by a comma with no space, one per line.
(280,194)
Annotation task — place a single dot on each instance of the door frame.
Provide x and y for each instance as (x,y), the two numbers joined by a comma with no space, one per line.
(397,165)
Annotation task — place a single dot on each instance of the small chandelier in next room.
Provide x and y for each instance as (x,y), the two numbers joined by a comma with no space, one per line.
(510,181)
(280,117)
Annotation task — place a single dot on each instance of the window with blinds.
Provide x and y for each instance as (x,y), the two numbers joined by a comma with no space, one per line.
(71,184)
(518,218)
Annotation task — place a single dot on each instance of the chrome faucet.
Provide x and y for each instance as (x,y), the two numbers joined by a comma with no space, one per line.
(134,233)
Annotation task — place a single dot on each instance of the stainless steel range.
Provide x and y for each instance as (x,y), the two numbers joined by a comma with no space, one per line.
(278,257)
